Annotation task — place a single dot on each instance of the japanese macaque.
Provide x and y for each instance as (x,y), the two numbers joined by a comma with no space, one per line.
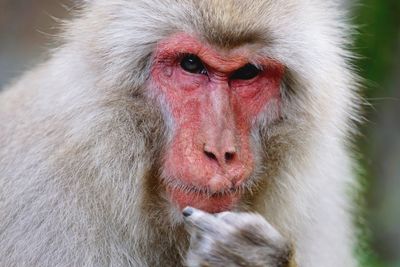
(183,133)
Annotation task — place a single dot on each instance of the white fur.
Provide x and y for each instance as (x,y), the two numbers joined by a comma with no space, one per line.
(72,160)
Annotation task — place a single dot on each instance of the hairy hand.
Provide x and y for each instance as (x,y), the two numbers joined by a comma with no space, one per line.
(234,239)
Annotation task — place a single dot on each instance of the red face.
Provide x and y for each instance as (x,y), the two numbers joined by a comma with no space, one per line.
(213,98)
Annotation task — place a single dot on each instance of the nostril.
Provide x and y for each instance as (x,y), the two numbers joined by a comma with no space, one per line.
(210,155)
(229,156)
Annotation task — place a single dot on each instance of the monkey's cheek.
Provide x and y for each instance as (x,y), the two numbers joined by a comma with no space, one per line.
(212,204)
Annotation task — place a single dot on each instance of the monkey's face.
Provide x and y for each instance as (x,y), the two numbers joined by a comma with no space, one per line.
(214,98)
(244,97)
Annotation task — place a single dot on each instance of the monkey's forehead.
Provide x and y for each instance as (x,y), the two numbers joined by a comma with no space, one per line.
(226,23)
(230,24)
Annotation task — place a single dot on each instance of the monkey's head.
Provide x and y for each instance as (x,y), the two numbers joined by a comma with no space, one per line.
(213,98)
(237,85)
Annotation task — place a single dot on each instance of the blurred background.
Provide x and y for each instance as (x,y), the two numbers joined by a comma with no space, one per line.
(27,29)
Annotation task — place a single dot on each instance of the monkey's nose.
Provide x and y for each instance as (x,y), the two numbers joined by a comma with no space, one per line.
(222,156)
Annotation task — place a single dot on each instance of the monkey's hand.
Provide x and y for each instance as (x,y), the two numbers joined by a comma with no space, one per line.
(234,239)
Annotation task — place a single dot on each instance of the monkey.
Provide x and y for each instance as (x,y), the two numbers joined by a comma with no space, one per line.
(184,133)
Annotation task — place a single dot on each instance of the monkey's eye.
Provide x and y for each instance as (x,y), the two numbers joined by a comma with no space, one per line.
(192,63)
(247,72)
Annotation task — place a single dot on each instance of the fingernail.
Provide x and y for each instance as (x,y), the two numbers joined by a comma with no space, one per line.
(187,211)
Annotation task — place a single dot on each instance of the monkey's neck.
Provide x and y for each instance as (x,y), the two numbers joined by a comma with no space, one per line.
(157,240)
(159,243)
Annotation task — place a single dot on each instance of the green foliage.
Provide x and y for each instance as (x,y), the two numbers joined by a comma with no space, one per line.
(379,32)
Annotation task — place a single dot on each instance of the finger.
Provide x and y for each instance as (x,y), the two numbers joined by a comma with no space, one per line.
(252,222)
(201,220)
(228,217)
(239,219)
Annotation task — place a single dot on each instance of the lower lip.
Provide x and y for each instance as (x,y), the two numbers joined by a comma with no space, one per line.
(211,204)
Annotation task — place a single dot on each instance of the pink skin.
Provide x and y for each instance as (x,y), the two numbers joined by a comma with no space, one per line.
(212,113)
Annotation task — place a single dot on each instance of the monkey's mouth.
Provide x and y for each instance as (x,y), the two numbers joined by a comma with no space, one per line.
(203,198)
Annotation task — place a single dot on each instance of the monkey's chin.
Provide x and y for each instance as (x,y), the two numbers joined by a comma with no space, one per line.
(210,203)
